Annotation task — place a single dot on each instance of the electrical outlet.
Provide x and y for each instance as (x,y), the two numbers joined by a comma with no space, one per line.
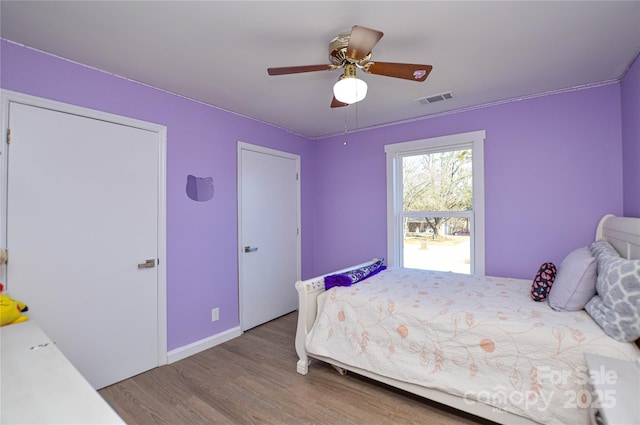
(215,314)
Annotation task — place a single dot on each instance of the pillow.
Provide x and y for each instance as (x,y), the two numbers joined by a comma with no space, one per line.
(353,276)
(575,282)
(616,307)
(603,248)
(542,282)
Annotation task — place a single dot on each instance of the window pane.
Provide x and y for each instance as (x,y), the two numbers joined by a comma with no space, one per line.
(437,243)
(439,181)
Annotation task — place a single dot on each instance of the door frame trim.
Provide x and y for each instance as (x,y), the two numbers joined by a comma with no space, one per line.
(7,97)
(243,146)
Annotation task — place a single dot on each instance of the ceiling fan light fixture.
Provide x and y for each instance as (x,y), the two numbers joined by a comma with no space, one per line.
(350,90)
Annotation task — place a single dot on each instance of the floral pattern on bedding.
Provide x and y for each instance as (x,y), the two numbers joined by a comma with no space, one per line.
(481,338)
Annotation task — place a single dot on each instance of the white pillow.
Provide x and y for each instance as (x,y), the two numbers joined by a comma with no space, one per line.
(575,282)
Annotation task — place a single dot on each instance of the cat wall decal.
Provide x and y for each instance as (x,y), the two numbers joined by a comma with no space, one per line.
(199,188)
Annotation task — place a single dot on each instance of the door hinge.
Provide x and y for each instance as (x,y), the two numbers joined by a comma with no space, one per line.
(297,177)
(8,136)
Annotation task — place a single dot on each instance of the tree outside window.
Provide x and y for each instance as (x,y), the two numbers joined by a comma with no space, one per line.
(437,202)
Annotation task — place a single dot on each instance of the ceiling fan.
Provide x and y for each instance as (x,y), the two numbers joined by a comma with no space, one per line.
(351,52)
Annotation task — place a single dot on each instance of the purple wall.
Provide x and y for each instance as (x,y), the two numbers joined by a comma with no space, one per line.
(552,169)
(630,88)
(201,236)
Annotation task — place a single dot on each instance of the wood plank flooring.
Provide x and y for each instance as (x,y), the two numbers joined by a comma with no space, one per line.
(252,379)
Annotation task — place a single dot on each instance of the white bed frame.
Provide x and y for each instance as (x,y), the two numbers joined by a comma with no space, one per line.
(622,232)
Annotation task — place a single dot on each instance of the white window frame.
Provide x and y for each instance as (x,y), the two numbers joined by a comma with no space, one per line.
(395,152)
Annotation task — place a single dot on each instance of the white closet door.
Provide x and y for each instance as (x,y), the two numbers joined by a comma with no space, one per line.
(269,239)
(82,213)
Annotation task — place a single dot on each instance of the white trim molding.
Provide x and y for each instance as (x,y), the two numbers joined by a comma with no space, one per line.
(204,344)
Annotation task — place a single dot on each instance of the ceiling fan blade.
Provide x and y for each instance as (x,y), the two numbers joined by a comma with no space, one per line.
(298,69)
(406,71)
(335,103)
(361,42)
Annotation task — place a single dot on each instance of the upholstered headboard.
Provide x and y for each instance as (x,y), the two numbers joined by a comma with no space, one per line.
(623,233)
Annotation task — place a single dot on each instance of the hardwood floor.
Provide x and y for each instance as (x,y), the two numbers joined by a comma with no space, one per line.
(253,380)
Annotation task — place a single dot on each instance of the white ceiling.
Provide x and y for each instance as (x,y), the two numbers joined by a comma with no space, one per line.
(217,52)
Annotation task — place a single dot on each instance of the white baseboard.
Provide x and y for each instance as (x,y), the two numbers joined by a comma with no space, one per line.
(204,344)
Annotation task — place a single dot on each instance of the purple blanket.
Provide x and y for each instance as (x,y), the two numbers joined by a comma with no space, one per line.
(350,277)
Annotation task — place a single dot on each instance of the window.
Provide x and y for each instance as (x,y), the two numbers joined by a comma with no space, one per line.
(435,196)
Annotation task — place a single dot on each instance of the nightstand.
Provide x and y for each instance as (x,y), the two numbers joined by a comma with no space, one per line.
(615,387)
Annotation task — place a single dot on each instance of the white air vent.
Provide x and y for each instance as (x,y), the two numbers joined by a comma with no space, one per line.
(435,98)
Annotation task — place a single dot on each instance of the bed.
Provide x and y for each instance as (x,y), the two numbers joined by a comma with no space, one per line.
(478,344)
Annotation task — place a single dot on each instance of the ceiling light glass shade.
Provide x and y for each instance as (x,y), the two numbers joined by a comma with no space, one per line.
(350,90)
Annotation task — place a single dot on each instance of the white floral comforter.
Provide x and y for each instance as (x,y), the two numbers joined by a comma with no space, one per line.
(480,338)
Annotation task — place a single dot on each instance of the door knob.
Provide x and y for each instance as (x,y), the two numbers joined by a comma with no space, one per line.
(149,264)
(250,248)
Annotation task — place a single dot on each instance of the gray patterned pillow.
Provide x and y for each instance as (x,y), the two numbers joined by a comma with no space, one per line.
(603,248)
(616,307)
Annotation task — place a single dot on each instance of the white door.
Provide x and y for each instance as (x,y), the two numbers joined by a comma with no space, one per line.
(82,213)
(269,209)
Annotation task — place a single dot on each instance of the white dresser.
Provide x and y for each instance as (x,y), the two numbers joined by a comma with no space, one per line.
(40,386)
(615,390)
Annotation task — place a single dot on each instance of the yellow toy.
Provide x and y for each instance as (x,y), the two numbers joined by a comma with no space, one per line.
(10,310)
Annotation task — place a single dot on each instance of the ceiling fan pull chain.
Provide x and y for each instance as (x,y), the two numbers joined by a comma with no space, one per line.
(346,142)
